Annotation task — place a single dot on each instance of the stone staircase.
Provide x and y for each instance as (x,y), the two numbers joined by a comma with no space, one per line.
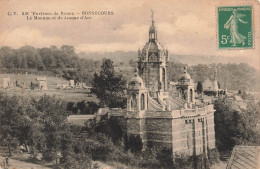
(153,104)
(225,156)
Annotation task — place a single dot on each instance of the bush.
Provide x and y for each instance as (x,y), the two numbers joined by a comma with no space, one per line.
(135,144)
(201,162)
(213,156)
(182,161)
(165,157)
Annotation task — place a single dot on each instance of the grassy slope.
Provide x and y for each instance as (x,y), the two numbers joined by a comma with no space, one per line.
(66,95)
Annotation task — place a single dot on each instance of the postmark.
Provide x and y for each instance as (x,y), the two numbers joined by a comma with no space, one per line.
(235,27)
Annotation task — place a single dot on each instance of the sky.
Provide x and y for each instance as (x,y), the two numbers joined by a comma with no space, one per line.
(184,27)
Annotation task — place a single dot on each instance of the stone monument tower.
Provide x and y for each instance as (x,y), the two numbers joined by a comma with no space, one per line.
(153,62)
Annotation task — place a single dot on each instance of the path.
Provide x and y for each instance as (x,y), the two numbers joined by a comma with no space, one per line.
(16,164)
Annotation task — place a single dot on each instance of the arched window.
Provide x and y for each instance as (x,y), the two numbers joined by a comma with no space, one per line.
(191,95)
(184,95)
(163,77)
(142,102)
(133,102)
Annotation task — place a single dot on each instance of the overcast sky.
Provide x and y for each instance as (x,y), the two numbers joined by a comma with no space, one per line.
(185,27)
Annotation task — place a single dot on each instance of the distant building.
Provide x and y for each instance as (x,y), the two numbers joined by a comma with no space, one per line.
(42,83)
(71,84)
(6,83)
(211,88)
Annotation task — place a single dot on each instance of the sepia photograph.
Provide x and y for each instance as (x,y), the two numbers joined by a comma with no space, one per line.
(129,84)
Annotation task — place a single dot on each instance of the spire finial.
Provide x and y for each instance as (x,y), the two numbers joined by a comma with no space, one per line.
(152,16)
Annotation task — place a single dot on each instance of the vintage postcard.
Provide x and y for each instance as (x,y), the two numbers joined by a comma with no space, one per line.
(129,84)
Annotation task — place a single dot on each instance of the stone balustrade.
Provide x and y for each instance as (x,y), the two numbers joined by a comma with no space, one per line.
(162,114)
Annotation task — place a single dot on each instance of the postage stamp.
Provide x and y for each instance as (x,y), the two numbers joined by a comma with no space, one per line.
(235,27)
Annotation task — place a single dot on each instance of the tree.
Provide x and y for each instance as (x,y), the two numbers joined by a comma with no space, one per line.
(236,126)
(132,62)
(135,143)
(109,87)
(53,118)
(12,121)
(224,124)
(7,56)
(199,87)
(165,156)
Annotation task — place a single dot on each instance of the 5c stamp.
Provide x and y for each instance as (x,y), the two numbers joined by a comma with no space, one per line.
(235,27)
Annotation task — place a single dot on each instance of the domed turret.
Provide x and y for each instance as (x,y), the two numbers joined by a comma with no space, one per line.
(185,88)
(185,77)
(136,82)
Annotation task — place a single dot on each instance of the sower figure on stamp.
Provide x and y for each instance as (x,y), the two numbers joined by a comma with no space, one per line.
(236,38)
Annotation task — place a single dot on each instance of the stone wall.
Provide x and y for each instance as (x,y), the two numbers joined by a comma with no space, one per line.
(191,131)
(159,132)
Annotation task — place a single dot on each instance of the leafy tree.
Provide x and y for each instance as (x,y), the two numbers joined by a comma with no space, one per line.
(236,127)
(213,156)
(24,62)
(92,107)
(199,87)
(200,72)
(111,127)
(132,62)
(82,106)
(53,118)
(165,157)
(11,120)
(47,58)
(224,124)
(175,70)
(201,162)
(135,143)
(109,87)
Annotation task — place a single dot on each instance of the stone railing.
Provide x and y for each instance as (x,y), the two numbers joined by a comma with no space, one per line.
(154,104)
(117,112)
(159,114)
(193,112)
(197,111)
(132,114)
(80,120)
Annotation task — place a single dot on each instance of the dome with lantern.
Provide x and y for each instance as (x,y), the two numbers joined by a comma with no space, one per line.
(153,50)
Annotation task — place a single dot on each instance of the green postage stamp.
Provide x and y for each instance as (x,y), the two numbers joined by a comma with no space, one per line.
(235,27)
